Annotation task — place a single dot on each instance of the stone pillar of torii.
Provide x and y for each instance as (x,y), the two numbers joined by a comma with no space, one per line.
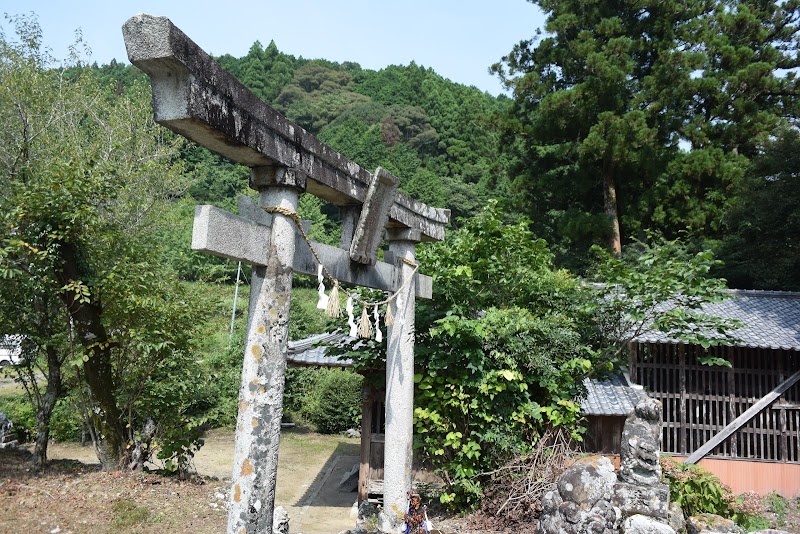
(195,97)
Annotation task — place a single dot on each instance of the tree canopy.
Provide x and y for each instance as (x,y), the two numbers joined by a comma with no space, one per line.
(631,117)
(85,172)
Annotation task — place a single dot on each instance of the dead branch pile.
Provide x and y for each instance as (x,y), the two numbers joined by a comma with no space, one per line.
(513,495)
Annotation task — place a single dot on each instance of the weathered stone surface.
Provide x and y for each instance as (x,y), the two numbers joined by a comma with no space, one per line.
(399,432)
(367,510)
(641,444)
(711,524)
(590,498)
(226,235)
(587,481)
(603,516)
(195,97)
(634,499)
(374,215)
(770,531)
(642,524)
(676,519)
(258,424)
(349,481)
(550,503)
(7,440)
(581,502)
(280,521)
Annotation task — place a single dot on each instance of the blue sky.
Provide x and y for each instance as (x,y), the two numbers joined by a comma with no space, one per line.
(458,39)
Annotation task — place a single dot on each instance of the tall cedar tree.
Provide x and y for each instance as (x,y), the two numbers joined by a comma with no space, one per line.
(630,117)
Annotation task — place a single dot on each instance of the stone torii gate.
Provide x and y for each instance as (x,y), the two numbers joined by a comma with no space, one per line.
(195,97)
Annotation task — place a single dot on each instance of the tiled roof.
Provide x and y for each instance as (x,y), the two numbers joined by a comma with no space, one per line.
(312,351)
(771,319)
(612,396)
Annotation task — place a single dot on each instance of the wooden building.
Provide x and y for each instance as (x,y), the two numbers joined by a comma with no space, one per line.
(741,422)
(606,406)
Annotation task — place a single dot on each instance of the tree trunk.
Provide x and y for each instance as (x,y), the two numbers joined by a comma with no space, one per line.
(97,370)
(611,210)
(46,405)
(141,449)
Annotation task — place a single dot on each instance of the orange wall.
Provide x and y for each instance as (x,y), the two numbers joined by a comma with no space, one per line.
(759,477)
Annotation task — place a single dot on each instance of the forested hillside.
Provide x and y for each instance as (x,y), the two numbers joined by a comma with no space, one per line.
(654,141)
(434,134)
(439,137)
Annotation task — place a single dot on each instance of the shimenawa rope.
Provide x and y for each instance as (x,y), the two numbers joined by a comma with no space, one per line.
(333,308)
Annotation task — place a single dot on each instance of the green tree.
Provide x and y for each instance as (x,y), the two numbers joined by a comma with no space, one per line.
(659,287)
(84,171)
(502,350)
(629,117)
(265,71)
(435,135)
(761,248)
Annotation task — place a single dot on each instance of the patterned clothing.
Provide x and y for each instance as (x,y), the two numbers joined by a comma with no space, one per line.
(416,517)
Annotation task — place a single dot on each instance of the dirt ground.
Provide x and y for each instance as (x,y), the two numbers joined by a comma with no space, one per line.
(74,496)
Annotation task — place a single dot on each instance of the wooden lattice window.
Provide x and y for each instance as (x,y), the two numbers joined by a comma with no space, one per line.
(700,400)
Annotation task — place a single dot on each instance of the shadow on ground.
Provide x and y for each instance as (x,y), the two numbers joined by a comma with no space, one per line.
(325,489)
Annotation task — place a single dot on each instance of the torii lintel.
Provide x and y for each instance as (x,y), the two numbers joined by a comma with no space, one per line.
(195,97)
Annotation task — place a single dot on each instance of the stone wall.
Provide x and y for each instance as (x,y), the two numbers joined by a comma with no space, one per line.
(591,498)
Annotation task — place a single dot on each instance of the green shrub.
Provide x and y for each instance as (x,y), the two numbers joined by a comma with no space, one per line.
(19,410)
(301,382)
(225,370)
(66,423)
(697,491)
(502,349)
(334,404)
(779,506)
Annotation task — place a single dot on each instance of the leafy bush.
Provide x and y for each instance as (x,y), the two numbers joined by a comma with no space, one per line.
(698,491)
(225,369)
(502,351)
(298,393)
(334,403)
(661,287)
(66,423)
(779,506)
(22,415)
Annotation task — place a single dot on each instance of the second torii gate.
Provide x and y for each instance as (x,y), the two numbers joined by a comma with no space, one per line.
(195,97)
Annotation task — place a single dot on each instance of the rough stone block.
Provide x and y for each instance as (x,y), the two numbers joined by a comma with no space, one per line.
(587,481)
(641,524)
(676,519)
(280,521)
(641,444)
(712,524)
(633,499)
